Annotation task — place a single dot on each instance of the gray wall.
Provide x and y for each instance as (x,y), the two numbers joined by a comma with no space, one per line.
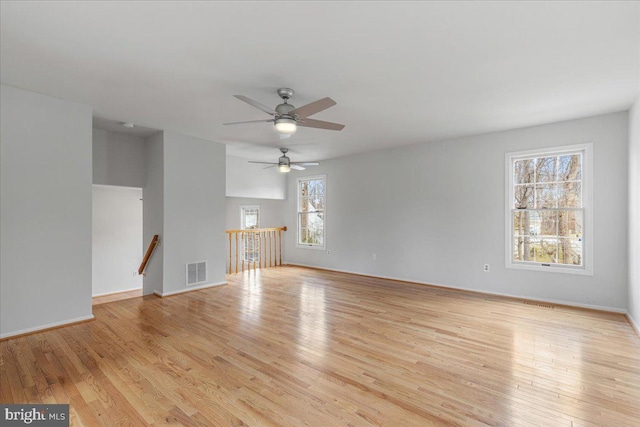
(118,159)
(272,212)
(252,180)
(435,213)
(45,213)
(153,212)
(194,208)
(117,239)
(634,213)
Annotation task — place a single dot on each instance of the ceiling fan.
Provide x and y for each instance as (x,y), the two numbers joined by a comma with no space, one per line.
(287,118)
(285,164)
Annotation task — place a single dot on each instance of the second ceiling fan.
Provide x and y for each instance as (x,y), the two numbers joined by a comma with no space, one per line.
(285,164)
(287,118)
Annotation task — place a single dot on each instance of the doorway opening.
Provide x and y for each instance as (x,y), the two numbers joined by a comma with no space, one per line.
(117,243)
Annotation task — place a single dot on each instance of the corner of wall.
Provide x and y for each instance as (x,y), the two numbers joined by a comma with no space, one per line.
(634,214)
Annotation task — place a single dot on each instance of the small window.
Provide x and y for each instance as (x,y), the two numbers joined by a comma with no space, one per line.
(311,212)
(250,216)
(548,210)
(250,219)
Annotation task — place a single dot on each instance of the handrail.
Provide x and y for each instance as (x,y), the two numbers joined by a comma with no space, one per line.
(145,260)
(260,247)
(256,230)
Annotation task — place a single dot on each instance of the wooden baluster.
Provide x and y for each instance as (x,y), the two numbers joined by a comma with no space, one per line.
(236,251)
(242,239)
(270,233)
(280,240)
(263,254)
(260,249)
(230,259)
(255,238)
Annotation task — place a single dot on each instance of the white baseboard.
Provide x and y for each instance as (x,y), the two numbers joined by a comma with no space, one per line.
(194,288)
(116,292)
(635,325)
(440,285)
(47,326)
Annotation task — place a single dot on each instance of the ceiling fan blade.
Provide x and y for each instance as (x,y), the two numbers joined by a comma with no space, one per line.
(256,104)
(320,124)
(296,167)
(249,121)
(263,163)
(314,107)
(269,167)
(305,163)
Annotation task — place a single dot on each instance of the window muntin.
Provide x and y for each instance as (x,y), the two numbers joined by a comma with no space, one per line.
(250,219)
(250,216)
(311,211)
(547,209)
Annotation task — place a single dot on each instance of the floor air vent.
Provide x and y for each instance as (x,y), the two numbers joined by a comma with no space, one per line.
(540,304)
(196,273)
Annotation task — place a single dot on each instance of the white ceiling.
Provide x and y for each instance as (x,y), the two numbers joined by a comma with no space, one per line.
(401,72)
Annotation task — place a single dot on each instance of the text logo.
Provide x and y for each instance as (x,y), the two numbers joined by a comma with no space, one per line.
(34,415)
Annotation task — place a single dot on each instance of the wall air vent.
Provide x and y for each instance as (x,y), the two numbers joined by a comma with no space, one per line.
(196,273)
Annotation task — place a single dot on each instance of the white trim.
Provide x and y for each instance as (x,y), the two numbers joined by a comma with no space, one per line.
(242,208)
(587,203)
(124,187)
(324,221)
(47,326)
(117,292)
(181,291)
(500,294)
(635,325)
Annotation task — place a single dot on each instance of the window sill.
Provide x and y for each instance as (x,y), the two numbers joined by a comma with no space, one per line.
(550,268)
(315,247)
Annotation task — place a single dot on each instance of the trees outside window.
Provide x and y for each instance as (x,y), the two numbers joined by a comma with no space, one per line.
(250,220)
(311,211)
(548,208)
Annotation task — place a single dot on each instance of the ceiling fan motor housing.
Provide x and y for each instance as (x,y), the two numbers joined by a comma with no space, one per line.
(285,109)
(283,161)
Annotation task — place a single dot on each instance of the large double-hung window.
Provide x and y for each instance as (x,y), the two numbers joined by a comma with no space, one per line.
(549,210)
(311,212)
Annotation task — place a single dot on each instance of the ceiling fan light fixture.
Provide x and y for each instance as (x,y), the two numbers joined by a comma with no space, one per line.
(286,126)
(284,168)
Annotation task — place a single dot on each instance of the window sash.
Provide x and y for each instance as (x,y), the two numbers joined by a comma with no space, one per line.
(310,234)
(564,247)
(578,207)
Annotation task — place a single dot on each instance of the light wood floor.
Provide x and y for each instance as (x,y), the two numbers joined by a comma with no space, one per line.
(119,296)
(292,347)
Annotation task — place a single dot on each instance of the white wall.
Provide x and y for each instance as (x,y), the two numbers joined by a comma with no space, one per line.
(118,159)
(194,209)
(634,213)
(435,213)
(45,211)
(272,212)
(153,212)
(117,239)
(252,180)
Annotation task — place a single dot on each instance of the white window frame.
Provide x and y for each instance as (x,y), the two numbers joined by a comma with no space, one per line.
(242,215)
(244,242)
(587,203)
(324,222)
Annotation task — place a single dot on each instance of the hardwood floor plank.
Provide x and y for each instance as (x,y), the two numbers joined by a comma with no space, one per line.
(292,346)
